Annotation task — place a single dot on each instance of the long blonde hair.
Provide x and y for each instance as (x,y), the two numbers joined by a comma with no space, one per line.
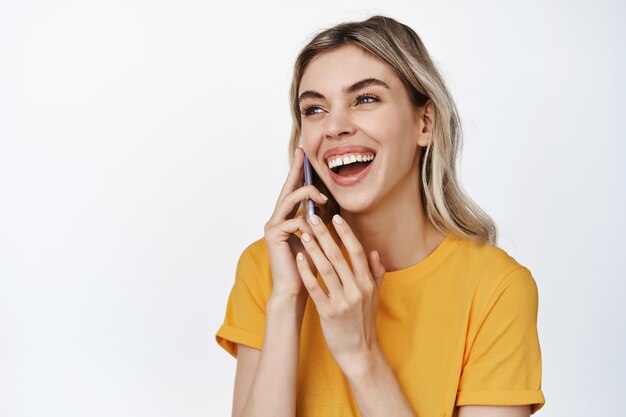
(446,205)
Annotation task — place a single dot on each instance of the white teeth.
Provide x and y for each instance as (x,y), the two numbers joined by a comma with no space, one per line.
(348,159)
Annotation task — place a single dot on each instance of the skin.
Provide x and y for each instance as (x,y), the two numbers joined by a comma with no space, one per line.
(384,210)
(383,213)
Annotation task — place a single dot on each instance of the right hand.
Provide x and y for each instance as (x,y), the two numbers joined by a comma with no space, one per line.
(282,244)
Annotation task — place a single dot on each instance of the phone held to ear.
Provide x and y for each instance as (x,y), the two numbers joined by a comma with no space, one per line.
(308,180)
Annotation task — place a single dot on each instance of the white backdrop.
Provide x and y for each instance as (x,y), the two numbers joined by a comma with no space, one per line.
(143,145)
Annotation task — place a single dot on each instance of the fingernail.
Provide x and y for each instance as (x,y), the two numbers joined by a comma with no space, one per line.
(377,256)
(306,237)
(323,197)
(300,256)
(314,220)
(337,219)
(296,151)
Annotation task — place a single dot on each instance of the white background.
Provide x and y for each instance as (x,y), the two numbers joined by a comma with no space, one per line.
(143,145)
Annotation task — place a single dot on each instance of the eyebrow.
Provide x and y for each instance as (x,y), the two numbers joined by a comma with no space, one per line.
(359,85)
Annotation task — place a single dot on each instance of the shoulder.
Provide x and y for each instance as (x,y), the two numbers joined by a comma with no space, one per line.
(253,266)
(502,300)
(486,257)
(488,269)
(256,251)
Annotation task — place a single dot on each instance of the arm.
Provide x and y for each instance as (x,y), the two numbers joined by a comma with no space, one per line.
(376,389)
(377,393)
(494,411)
(273,390)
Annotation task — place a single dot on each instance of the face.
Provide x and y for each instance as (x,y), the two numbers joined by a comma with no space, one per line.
(377,116)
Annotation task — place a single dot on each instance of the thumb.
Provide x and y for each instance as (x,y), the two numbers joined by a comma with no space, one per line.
(376,267)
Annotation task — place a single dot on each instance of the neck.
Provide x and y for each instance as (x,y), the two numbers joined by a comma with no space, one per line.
(397,228)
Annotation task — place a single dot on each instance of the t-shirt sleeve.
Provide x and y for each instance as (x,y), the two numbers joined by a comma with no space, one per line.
(504,362)
(244,321)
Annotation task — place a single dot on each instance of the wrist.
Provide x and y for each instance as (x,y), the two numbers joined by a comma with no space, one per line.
(284,303)
(365,364)
(279,297)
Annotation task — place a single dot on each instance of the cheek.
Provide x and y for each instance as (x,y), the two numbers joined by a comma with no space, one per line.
(385,127)
(311,143)
(310,138)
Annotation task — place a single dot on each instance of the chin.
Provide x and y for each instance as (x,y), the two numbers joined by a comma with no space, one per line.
(353,204)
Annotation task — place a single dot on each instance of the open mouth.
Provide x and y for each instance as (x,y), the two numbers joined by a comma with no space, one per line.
(351,169)
(350,164)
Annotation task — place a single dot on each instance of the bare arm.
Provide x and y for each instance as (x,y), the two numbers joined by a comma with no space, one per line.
(247,363)
(271,374)
(377,393)
(376,389)
(273,390)
(494,411)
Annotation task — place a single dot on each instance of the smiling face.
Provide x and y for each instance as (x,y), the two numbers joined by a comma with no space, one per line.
(375,114)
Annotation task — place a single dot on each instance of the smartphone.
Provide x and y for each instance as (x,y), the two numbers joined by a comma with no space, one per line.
(308,180)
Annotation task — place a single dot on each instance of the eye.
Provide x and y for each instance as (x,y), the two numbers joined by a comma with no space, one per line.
(367,96)
(308,109)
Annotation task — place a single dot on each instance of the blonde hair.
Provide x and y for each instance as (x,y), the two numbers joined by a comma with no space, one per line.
(448,208)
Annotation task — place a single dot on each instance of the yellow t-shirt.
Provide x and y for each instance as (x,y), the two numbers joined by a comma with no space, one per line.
(457,328)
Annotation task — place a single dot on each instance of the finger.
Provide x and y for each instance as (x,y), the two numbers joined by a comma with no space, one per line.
(325,268)
(332,252)
(355,250)
(377,268)
(295,226)
(290,201)
(295,175)
(316,292)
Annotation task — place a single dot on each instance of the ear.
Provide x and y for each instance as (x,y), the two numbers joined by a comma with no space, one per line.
(425,119)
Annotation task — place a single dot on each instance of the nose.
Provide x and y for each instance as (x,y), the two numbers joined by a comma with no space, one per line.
(338,124)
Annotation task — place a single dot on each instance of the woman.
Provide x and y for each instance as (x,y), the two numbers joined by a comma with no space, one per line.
(394,301)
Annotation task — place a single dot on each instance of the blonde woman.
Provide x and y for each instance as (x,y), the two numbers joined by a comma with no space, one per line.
(393,300)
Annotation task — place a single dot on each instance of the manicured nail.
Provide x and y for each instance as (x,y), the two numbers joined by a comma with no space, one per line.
(323,197)
(306,237)
(337,219)
(314,220)
(300,256)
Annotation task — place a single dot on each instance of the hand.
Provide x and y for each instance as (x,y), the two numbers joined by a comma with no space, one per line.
(281,243)
(348,313)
